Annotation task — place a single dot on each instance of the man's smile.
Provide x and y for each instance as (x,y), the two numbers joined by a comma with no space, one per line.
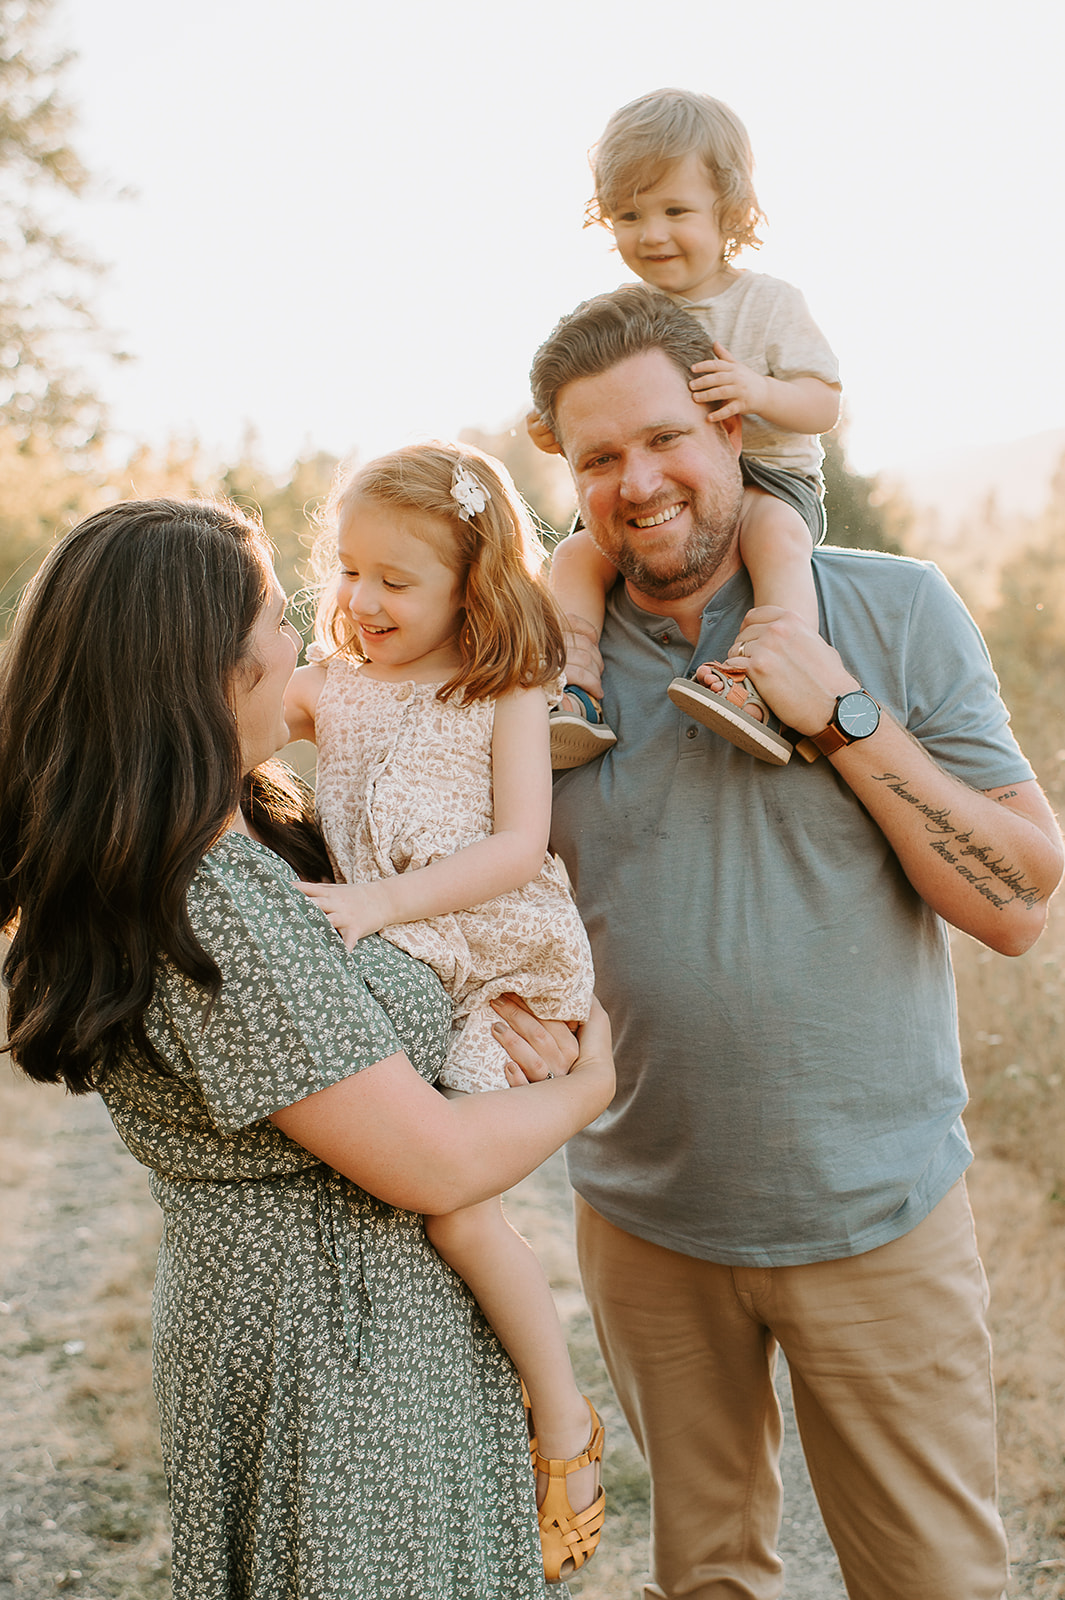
(658,517)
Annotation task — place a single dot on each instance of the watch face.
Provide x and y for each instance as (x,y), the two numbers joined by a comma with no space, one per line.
(858,714)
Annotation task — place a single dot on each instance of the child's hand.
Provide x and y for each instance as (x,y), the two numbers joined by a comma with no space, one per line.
(354,909)
(728,380)
(541,435)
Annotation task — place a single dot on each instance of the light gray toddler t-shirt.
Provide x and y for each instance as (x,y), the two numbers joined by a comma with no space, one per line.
(766,323)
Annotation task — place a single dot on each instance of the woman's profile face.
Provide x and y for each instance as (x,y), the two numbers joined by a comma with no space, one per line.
(258,694)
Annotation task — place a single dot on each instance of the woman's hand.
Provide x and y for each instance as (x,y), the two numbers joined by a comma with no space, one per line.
(539,1050)
(536,1049)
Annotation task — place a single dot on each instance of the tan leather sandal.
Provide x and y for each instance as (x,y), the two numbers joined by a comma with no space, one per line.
(569,1538)
(728,712)
(527,1403)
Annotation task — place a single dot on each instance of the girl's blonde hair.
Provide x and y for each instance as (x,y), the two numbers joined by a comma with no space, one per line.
(511,636)
(645,138)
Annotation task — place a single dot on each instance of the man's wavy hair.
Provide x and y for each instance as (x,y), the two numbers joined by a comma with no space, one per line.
(120,766)
(643,140)
(511,633)
(611,328)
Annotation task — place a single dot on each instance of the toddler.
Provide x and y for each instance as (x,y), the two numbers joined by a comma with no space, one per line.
(437,641)
(673,181)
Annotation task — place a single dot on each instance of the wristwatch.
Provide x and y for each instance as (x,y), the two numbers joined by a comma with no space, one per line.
(856,716)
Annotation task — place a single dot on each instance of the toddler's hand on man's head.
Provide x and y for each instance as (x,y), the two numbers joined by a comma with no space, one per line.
(728,385)
(541,434)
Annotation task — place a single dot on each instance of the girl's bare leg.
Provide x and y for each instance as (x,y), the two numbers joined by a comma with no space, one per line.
(511,1289)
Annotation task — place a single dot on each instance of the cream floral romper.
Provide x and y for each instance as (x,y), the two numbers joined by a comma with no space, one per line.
(405,779)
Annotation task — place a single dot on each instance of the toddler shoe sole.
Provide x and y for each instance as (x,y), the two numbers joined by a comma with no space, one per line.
(711,708)
(575,742)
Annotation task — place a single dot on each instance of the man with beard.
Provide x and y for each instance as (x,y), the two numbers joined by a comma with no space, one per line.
(782,1164)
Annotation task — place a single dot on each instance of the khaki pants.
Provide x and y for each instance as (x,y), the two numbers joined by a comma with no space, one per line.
(891,1373)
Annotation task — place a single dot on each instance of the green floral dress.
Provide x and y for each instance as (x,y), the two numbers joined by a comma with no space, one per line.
(338,1421)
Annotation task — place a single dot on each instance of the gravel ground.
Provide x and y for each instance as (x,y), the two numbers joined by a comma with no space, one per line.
(540,1208)
(82,1503)
(82,1513)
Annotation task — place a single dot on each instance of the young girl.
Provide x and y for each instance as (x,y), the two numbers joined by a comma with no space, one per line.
(437,642)
(673,180)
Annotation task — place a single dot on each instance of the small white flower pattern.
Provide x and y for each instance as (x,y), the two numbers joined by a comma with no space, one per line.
(338,1421)
(405,779)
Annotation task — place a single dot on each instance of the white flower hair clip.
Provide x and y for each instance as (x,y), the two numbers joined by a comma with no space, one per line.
(471,496)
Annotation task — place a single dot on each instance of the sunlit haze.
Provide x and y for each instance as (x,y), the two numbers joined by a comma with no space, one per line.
(351,225)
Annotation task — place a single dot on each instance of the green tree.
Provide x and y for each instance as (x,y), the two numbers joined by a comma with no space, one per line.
(43,494)
(43,271)
(46,492)
(47,489)
(288,506)
(861,515)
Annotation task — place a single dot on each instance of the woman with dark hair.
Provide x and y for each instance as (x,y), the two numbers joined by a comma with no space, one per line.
(339,1423)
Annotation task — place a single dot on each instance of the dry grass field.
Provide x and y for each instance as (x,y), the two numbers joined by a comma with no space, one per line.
(1012,1018)
(82,1496)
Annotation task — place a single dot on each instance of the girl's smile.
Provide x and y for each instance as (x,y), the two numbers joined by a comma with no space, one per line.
(404,600)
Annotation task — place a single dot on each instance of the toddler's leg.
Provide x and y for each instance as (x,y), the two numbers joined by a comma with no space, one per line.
(578,732)
(509,1285)
(580,580)
(581,577)
(728,703)
(775,547)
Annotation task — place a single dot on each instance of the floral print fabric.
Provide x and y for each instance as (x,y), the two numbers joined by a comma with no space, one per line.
(405,779)
(338,1421)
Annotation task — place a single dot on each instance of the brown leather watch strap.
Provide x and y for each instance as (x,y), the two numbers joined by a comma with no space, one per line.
(830,739)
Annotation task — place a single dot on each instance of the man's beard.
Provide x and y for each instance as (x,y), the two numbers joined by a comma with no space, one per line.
(710,542)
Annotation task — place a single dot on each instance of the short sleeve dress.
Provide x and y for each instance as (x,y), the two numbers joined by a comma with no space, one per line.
(338,1420)
(405,779)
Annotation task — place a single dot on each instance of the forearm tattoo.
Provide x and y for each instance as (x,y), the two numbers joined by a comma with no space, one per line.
(989,874)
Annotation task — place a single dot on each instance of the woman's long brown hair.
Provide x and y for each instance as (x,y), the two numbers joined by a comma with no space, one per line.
(120,766)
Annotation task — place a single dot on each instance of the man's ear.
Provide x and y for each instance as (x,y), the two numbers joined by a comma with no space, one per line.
(731,427)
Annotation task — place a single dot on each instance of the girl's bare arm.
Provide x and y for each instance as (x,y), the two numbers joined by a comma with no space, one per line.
(301,699)
(511,856)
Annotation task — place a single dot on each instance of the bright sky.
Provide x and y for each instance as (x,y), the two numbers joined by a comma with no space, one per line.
(353,223)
